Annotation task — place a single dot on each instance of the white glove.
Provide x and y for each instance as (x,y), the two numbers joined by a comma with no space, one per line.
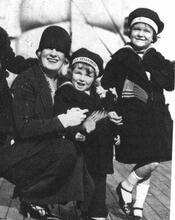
(73,117)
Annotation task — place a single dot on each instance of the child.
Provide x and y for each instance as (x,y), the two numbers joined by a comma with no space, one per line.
(94,139)
(140,74)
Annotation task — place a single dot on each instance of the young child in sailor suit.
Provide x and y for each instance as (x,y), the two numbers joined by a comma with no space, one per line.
(94,137)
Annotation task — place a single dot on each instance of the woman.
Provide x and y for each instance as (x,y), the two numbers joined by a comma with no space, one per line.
(41,163)
(94,140)
(140,74)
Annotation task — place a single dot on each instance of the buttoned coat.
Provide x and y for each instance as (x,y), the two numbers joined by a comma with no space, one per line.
(146,134)
(39,151)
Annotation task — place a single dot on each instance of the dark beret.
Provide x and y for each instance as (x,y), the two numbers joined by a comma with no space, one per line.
(86,56)
(148,16)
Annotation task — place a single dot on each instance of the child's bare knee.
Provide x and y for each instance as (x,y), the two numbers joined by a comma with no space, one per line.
(154,165)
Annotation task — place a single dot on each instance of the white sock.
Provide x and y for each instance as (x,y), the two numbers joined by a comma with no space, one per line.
(100,218)
(129,184)
(141,193)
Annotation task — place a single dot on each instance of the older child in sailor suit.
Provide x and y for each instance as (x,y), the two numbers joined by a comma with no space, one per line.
(140,74)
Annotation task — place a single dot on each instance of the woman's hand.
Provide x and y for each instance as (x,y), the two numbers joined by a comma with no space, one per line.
(89,125)
(115,118)
(80,137)
(73,117)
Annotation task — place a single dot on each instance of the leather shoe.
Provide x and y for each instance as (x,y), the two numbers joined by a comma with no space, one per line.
(90,218)
(36,211)
(137,218)
(126,207)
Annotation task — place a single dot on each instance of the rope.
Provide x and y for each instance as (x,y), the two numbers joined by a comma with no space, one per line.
(93,27)
(117,30)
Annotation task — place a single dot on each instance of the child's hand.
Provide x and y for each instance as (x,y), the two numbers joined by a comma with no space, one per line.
(114,92)
(80,137)
(115,118)
(64,69)
(117,140)
(101,91)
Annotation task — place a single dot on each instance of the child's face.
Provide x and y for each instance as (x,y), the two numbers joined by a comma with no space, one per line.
(141,35)
(83,76)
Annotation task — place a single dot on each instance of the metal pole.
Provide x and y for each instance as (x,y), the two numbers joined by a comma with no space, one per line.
(117,30)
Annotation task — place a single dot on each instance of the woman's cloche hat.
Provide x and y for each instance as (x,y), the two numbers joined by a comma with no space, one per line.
(55,37)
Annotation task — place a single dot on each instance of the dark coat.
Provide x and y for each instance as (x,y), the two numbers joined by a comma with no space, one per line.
(98,147)
(146,134)
(15,64)
(5,111)
(40,163)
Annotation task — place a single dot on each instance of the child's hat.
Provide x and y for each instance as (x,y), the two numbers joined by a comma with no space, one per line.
(86,56)
(55,37)
(148,16)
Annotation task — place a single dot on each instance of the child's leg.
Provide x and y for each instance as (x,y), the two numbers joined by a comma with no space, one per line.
(98,209)
(141,193)
(124,189)
(128,185)
(140,171)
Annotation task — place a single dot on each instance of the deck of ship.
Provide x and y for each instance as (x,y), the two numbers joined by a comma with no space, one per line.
(157,206)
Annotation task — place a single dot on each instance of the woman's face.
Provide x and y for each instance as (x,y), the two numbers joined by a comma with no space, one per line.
(83,76)
(141,35)
(52,59)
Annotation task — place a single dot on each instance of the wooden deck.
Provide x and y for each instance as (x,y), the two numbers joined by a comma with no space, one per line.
(157,206)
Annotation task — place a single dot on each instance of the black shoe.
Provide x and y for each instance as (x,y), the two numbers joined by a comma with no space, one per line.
(88,218)
(85,217)
(38,212)
(136,217)
(126,207)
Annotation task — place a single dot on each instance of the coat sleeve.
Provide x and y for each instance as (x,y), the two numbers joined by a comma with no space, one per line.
(5,107)
(28,123)
(109,78)
(114,76)
(161,69)
(18,64)
(66,98)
